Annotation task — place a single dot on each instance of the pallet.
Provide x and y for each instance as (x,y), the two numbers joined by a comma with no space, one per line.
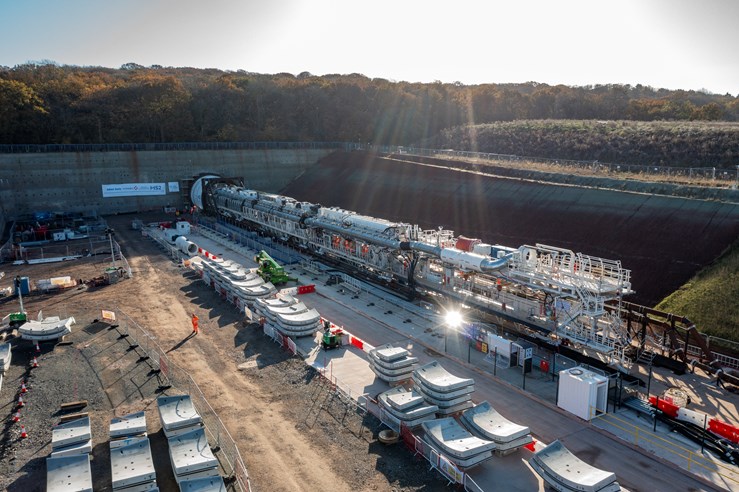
(73,405)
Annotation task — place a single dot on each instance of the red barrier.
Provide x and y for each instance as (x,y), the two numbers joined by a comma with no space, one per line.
(668,407)
(306,289)
(357,343)
(728,431)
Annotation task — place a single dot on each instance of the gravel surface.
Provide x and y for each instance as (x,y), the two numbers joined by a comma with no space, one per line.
(292,431)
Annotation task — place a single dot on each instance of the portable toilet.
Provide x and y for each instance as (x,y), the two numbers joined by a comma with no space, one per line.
(25,286)
(582,392)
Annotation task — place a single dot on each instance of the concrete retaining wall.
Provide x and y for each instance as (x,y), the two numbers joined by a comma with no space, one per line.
(72,181)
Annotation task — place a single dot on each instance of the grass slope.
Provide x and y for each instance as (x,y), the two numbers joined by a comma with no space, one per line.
(711,298)
(666,143)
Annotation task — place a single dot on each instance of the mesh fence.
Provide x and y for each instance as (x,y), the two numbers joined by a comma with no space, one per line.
(220,440)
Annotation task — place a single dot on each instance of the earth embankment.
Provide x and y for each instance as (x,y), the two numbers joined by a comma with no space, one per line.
(662,240)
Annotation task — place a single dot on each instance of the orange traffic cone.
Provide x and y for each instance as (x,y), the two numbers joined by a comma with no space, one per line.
(34,363)
(23,388)
(20,402)
(24,434)
(38,349)
(17,416)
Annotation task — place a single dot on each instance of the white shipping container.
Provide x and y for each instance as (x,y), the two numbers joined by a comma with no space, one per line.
(582,392)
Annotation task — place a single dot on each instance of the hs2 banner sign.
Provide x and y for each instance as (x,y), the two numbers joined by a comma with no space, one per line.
(133,189)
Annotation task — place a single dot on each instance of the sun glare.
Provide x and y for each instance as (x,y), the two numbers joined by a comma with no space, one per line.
(453,319)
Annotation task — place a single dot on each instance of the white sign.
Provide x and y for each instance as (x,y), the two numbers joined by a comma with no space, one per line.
(174,186)
(133,189)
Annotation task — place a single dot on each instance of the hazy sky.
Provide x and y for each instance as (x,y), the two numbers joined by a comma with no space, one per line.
(676,44)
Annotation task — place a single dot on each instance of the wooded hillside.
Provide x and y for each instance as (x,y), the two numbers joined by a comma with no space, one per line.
(47,103)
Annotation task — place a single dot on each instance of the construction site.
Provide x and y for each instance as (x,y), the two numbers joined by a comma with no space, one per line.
(353,320)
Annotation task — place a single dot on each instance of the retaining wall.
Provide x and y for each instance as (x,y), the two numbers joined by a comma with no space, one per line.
(72,181)
(663,240)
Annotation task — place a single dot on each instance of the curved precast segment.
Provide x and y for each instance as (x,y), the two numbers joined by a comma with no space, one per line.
(564,471)
(485,421)
(457,443)
(434,376)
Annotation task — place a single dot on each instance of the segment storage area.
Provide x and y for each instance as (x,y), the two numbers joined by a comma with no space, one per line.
(439,387)
(564,471)
(71,438)
(485,422)
(404,406)
(69,473)
(461,447)
(5,357)
(131,464)
(194,465)
(51,328)
(178,415)
(392,364)
(132,467)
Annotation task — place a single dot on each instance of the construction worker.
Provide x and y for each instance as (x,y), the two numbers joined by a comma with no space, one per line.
(195,320)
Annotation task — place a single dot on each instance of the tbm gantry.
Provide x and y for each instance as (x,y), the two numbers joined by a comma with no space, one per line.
(554,291)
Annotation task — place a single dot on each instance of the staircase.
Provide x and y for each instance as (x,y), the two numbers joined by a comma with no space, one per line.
(646,357)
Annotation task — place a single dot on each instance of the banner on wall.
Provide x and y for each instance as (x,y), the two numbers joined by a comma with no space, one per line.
(133,189)
(174,186)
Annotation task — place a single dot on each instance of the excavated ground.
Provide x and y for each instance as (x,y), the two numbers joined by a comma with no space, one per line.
(293,433)
(663,240)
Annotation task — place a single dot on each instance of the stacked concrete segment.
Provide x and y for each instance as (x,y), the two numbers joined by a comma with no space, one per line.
(280,300)
(456,443)
(406,406)
(69,473)
(127,430)
(178,415)
(289,316)
(71,438)
(132,467)
(233,279)
(450,393)
(50,328)
(485,422)
(191,456)
(392,364)
(130,425)
(564,471)
(5,356)
(207,484)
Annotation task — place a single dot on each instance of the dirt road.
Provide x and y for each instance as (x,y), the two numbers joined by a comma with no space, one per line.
(292,434)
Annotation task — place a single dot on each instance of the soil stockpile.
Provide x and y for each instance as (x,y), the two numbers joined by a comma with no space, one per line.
(662,240)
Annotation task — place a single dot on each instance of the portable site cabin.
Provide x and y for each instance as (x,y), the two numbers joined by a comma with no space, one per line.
(507,353)
(582,392)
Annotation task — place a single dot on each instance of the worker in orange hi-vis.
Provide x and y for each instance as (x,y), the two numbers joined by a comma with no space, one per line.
(195,320)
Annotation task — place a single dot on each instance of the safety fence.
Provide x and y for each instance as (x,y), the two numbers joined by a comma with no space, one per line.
(595,167)
(225,232)
(141,147)
(692,461)
(220,440)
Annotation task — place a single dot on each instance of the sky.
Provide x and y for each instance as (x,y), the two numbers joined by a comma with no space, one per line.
(673,44)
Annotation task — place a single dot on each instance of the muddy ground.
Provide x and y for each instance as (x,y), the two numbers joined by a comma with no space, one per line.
(293,432)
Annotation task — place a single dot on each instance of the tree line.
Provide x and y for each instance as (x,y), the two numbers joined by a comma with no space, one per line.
(48,103)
